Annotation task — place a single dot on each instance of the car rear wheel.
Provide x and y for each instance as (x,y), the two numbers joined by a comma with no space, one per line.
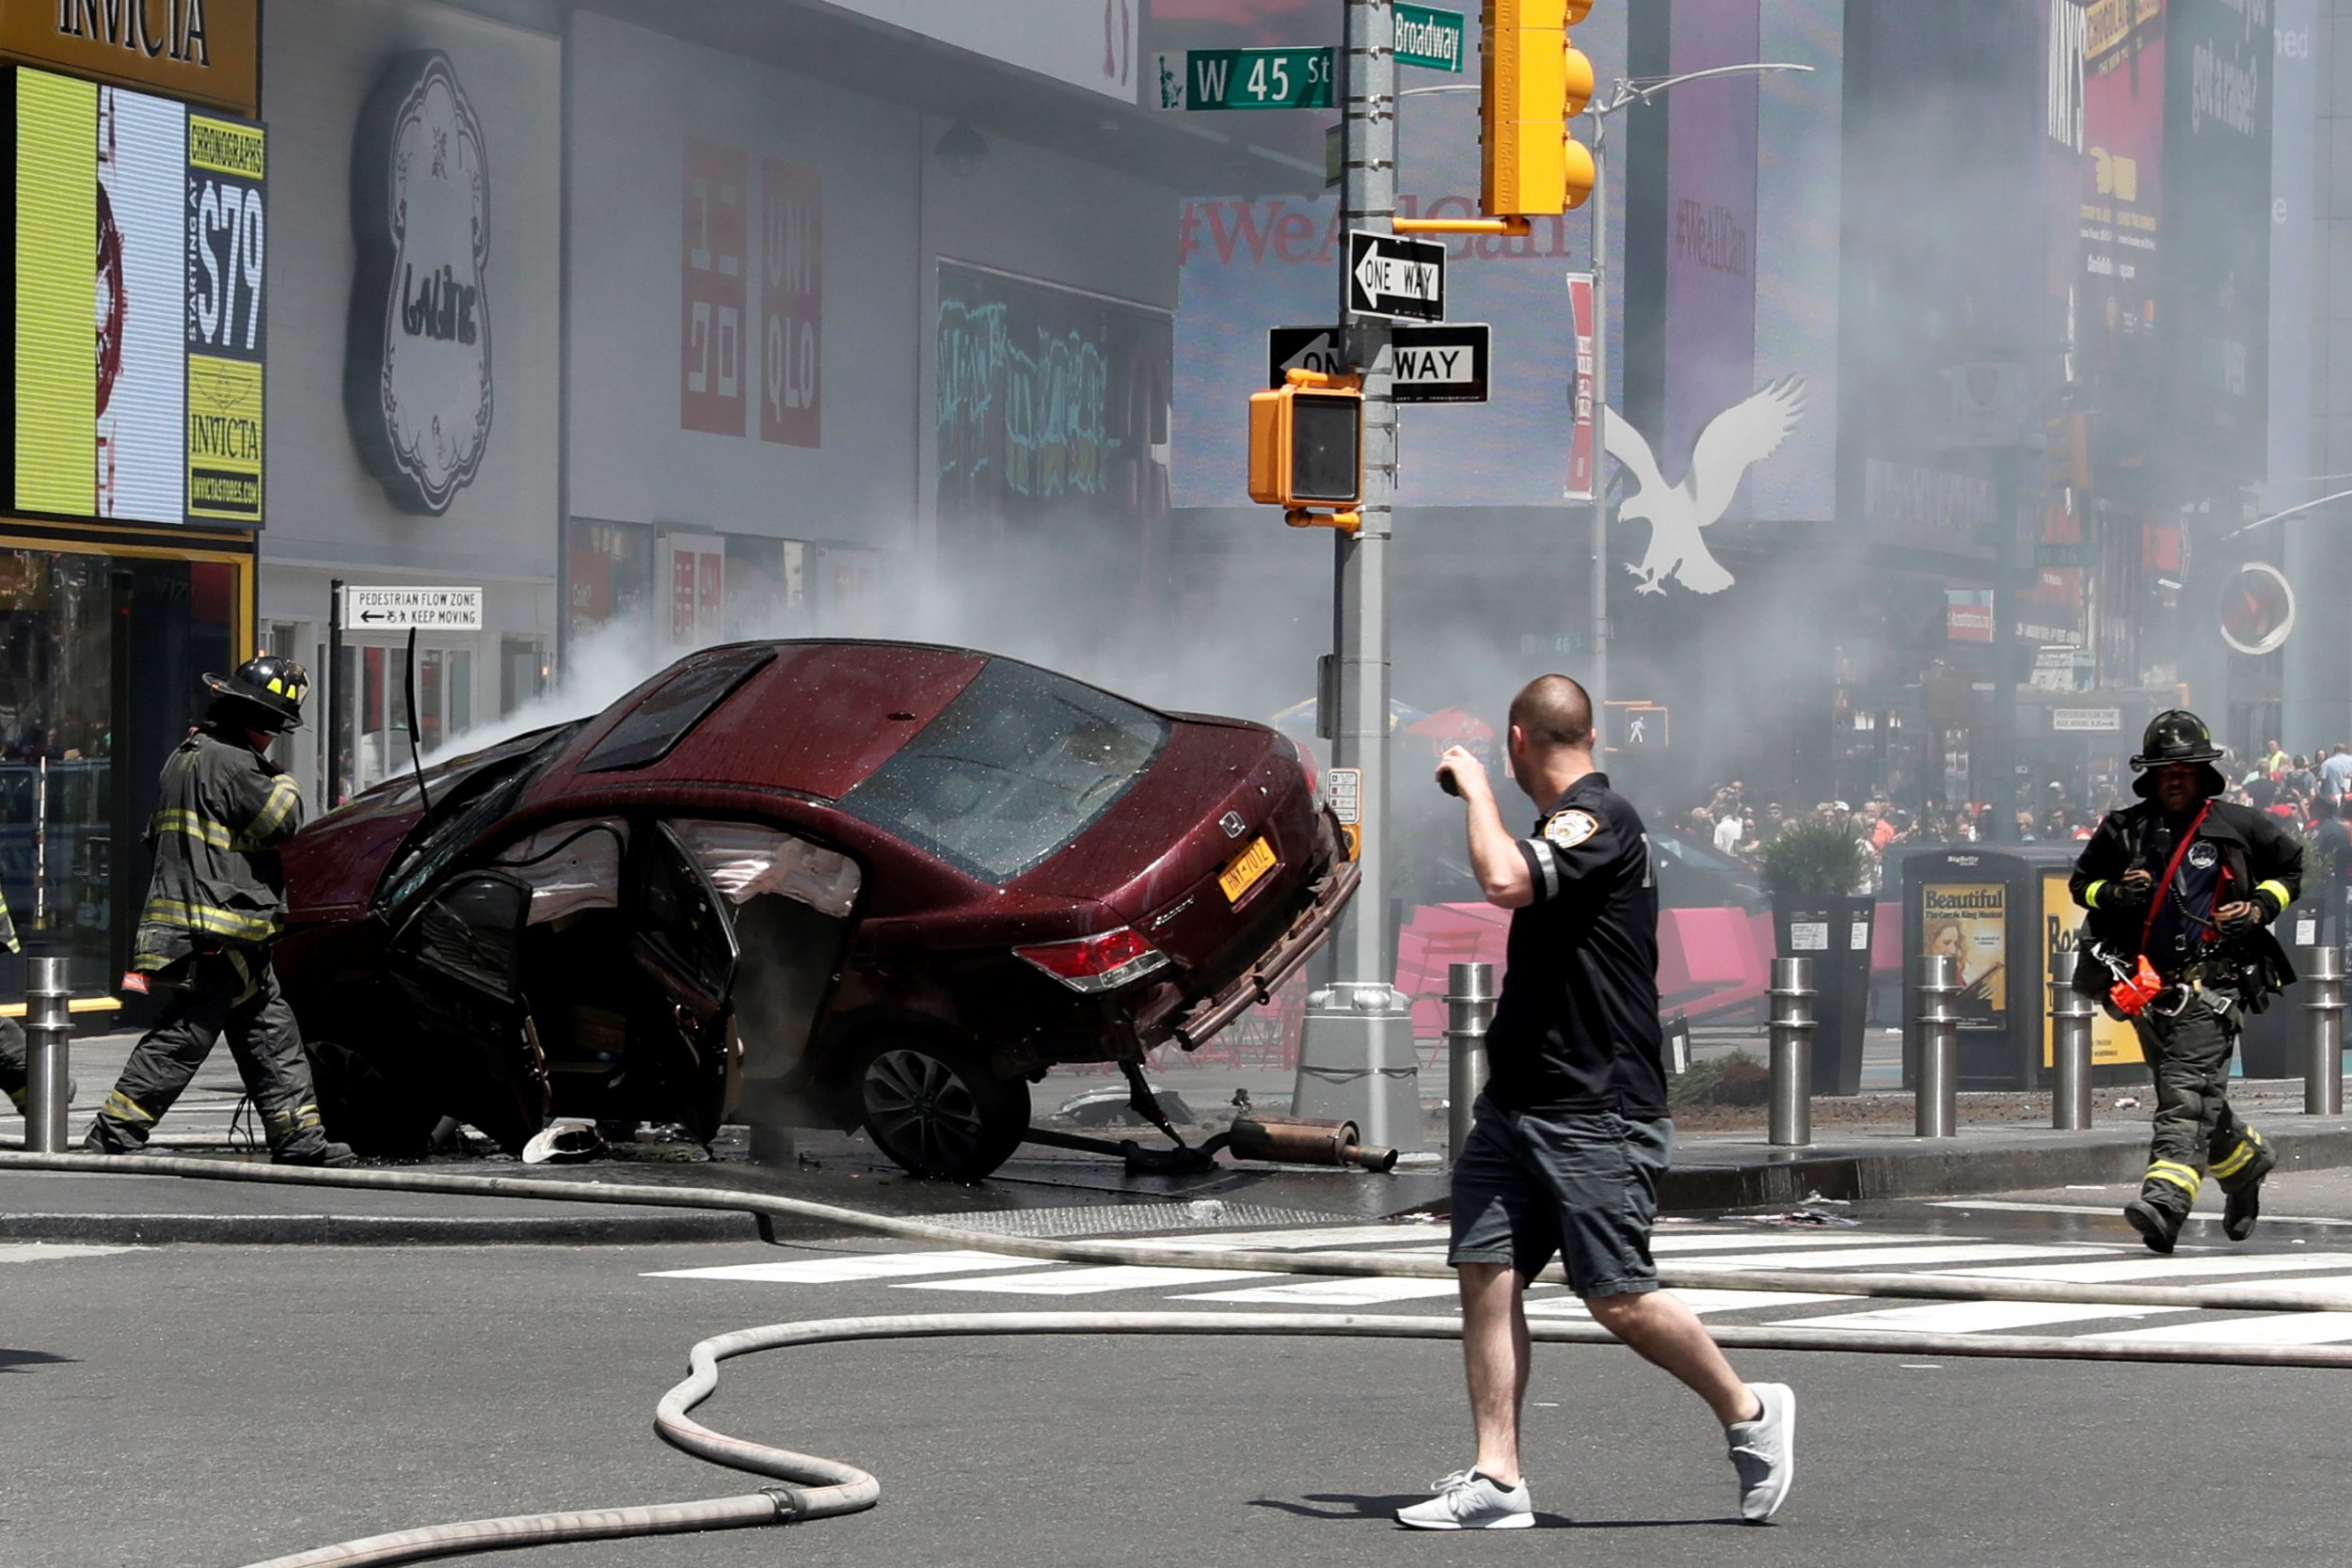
(938,1111)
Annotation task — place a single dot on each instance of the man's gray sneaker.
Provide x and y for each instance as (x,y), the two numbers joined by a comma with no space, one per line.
(1764,1451)
(1467,1500)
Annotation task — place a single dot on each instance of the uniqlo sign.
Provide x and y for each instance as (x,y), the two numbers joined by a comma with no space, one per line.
(715,236)
(791,301)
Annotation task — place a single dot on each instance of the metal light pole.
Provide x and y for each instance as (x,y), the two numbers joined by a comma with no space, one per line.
(1355,1058)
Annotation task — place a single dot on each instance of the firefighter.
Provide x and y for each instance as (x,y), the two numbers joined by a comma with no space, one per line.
(2181,890)
(13,1079)
(213,910)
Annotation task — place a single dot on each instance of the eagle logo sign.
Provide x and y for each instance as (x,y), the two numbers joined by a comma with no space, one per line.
(1734,441)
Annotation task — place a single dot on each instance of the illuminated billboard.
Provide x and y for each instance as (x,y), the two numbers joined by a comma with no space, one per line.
(135,382)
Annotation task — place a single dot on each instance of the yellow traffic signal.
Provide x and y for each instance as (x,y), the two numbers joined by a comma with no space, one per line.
(1306,447)
(1535,82)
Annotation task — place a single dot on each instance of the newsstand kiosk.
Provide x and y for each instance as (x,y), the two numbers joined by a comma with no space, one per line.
(2004,915)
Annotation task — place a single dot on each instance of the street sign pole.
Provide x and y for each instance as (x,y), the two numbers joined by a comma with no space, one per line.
(1596,682)
(1356,1059)
(331,740)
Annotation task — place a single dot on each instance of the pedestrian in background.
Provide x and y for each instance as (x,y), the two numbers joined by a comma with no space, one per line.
(14,1079)
(1571,1137)
(213,907)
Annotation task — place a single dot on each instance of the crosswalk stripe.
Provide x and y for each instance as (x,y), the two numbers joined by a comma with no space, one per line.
(1797,1241)
(2277,1329)
(2179,1267)
(1082,1282)
(1337,1292)
(1975,1317)
(1870,1257)
(1701,1302)
(1298,1240)
(41,1252)
(2111,1209)
(853,1269)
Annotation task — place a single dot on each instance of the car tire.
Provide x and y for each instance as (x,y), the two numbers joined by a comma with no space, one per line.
(365,1109)
(937,1110)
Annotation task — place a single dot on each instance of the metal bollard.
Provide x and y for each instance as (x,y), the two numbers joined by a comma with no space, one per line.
(1937,1111)
(2323,1032)
(48,1025)
(1792,1053)
(1469,1006)
(2071,1013)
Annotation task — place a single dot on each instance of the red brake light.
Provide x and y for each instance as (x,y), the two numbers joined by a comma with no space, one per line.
(1097,964)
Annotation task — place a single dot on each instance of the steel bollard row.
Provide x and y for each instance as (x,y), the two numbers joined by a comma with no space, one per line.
(1937,1112)
(1792,1053)
(1469,1006)
(48,1025)
(2071,1014)
(2323,1032)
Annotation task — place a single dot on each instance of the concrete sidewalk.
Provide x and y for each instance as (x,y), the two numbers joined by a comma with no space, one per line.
(1051,1191)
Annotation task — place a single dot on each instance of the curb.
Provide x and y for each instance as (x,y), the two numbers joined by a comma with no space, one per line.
(620,1229)
(1966,1170)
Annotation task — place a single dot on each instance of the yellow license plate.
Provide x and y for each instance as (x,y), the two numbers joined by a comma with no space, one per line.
(1246,868)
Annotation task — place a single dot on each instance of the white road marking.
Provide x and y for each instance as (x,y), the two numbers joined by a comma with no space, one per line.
(2178,1269)
(1975,1317)
(853,1269)
(1794,1240)
(1082,1282)
(2277,1329)
(1337,1292)
(1291,1241)
(2111,1209)
(1870,1257)
(1701,1302)
(41,1252)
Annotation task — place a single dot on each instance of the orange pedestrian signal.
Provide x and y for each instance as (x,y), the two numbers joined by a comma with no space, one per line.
(1306,447)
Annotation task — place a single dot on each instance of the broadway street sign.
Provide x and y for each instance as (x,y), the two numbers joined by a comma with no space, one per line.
(1390,276)
(1427,36)
(1445,362)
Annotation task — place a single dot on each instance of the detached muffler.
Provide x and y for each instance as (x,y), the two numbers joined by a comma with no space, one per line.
(1303,1141)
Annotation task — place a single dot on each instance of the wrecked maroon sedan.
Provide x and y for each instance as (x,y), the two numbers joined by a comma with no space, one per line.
(802,883)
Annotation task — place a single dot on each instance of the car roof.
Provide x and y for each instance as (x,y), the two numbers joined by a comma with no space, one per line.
(814,721)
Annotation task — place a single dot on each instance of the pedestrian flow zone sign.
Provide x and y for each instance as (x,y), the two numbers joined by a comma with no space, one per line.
(399,609)
(1391,276)
(1443,362)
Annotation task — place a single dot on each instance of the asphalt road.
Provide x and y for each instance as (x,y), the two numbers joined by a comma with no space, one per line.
(221,1405)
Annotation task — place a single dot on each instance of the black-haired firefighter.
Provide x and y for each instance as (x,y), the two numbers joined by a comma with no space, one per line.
(2181,889)
(215,906)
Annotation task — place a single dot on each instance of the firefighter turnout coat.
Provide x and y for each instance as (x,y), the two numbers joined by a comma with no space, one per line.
(223,812)
(2235,853)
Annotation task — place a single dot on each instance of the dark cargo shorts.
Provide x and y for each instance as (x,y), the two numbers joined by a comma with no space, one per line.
(1581,1184)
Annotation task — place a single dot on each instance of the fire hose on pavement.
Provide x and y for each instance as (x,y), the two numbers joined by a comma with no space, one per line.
(813,1487)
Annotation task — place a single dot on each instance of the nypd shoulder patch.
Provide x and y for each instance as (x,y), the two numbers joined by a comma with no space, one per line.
(1568,829)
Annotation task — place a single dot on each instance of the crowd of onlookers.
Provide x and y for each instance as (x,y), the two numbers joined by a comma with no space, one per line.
(2310,792)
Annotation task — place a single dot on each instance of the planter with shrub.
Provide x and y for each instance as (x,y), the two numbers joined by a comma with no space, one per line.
(1811,872)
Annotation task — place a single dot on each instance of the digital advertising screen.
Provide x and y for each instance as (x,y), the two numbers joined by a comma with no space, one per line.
(136,378)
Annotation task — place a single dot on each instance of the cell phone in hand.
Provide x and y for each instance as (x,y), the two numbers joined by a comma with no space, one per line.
(1445,781)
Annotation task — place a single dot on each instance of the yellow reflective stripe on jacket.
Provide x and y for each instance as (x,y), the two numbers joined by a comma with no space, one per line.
(2091,894)
(209,919)
(123,1108)
(284,796)
(2277,890)
(2181,1175)
(176,820)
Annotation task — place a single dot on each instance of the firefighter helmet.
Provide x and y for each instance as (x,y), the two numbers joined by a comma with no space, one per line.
(2177,736)
(267,682)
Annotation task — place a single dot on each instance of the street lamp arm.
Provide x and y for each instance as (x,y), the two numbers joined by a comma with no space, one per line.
(1642,89)
(2288,513)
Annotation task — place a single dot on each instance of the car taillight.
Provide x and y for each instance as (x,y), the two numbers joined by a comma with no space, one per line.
(1096,963)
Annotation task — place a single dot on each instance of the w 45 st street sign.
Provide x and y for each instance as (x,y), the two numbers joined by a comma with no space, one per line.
(1243,79)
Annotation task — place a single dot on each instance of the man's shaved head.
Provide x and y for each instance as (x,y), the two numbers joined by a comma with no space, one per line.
(1553,711)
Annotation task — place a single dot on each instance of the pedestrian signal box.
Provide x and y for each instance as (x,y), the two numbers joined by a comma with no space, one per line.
(1307,449)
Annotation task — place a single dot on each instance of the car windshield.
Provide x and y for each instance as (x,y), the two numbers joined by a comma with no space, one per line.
(675,707)
(470,801)
(1012,770)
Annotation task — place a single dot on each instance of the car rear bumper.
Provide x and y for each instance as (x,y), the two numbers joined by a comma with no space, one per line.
(1309,932)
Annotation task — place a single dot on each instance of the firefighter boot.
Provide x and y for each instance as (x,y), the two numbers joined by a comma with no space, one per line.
(2165,1194)
(2240,1175)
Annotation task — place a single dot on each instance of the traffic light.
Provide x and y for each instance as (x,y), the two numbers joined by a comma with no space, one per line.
(2067,456)
(1534,81)
(1307,449)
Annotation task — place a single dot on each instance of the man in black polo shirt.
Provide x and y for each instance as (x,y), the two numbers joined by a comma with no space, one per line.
(1571,1135)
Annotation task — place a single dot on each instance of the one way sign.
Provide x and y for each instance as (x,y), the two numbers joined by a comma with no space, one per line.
(1445,362)
(1388,276)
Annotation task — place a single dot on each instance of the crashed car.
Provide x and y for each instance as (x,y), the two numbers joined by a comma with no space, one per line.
(802,883)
